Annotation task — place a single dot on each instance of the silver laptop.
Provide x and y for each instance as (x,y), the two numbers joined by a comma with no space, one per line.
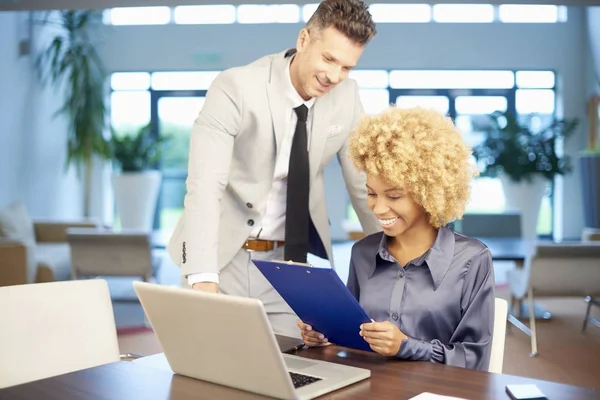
(228,340)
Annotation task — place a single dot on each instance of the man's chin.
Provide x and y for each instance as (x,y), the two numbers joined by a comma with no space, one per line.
(319,91)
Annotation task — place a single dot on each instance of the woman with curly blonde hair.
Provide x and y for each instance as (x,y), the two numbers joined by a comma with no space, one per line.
(429,290)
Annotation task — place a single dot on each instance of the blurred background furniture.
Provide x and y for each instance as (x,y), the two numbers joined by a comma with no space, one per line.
(591,301)
(554,270)
(499,336)
(484,225)
(100,252)
(34,251)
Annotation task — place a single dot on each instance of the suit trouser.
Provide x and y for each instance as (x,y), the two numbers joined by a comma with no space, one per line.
(241,278)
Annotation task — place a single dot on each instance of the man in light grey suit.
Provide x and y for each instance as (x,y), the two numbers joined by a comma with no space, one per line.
(257,153)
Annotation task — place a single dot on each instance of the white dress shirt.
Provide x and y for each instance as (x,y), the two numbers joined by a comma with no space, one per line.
(272,223)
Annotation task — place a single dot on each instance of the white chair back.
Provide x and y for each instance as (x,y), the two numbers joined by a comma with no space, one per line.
(49,329)
(499,336)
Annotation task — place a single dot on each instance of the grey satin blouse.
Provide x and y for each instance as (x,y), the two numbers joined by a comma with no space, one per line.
(443,301)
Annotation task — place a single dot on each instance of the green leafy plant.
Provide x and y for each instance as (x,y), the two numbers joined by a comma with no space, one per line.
(513,149)
(139,152)
(71,65)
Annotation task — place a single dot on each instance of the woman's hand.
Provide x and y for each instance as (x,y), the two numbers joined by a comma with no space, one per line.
(383,337)
(310,337)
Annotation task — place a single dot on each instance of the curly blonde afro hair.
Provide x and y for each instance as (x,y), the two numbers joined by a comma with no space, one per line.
(422,151)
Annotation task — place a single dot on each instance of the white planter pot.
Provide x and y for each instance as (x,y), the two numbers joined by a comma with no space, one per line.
(525,197)
(136,194)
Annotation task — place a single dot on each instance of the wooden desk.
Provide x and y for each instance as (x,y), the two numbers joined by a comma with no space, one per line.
(389,379)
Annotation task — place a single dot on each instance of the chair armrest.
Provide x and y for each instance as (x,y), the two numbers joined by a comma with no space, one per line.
(13,263)
(56,232)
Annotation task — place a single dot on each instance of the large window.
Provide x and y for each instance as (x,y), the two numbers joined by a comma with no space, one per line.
(293,13)
(172,101)
(467,97)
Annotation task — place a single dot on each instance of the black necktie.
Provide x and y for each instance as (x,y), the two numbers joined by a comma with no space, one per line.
(296,213)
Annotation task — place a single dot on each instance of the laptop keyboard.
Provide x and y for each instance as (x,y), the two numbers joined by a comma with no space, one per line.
(302,380)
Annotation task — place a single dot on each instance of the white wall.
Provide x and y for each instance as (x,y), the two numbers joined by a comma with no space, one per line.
(561,47)
(14,82)
(33,149)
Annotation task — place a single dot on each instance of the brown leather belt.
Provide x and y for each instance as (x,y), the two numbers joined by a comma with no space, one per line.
(262,245)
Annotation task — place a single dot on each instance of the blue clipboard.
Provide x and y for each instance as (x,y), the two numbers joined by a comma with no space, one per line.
(319,298)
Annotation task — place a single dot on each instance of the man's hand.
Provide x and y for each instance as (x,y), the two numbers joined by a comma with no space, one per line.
(384,337)
(206,287)
(310,337)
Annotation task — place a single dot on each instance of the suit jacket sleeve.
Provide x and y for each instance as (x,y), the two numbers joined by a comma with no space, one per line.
(210,155)
(355,180)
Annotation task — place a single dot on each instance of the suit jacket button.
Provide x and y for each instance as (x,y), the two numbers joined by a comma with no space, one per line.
(249,205)
(251,222)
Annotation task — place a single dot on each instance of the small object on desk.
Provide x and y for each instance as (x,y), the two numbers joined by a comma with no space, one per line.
(320,299)
(525,392)
(433,396)
(289,345)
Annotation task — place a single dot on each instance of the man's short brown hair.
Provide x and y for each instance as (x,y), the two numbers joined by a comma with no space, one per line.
(350,17)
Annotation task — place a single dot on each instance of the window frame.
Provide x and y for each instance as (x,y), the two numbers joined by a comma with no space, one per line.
(393,93)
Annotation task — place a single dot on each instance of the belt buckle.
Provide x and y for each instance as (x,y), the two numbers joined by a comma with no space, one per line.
(247,245)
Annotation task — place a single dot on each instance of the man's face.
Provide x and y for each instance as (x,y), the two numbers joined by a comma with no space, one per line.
(324,60)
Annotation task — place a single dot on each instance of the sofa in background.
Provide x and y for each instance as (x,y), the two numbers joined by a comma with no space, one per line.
(34,251)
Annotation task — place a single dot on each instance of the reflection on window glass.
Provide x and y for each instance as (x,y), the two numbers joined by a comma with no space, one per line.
(422,79)
(480,104)
(370,78)
(308,10)
(193,80)
(264,14)
(463,13)
(374,100)
(528,13)
(172,194)
(400,12)
(176,119)
(487,196)
(439,103)
(470,127)
(106,17)
(140,15)
(130,81)
(535,79)
(206,14)
(535,101)
(129,111)
(535,122)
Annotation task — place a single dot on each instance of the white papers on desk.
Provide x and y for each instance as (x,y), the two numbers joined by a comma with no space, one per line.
(432,396)
(158,361)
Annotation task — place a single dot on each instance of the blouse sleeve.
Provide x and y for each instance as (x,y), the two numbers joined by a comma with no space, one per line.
(471,343)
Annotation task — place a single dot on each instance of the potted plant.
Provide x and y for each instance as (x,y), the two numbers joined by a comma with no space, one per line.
(589,164)
(137,180)
(524,159)
(71,64)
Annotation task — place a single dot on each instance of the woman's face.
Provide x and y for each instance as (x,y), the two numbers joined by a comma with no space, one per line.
(394,207)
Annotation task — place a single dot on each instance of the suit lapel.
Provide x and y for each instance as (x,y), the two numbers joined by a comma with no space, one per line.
(318,135)
(276,103)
